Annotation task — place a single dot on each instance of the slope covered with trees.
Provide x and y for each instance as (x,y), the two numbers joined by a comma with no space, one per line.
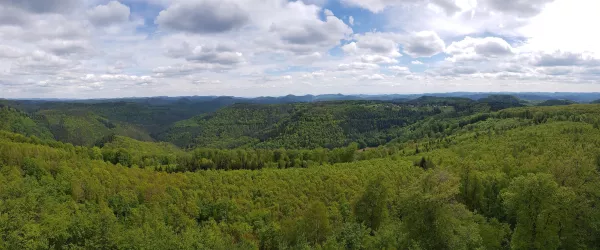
(556,102)
(16,121)
(328,124)
(518,178)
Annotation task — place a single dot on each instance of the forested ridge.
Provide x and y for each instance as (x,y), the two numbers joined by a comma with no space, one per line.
(425,173)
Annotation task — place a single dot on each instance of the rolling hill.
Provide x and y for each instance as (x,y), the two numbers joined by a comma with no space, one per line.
(519,178)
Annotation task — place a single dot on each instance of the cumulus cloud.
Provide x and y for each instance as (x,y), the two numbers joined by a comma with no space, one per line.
(112,13)
(313,75)
(65,47)
(556,71)
(373,43)
(357,66)
(399,70)
(12,16)
(42,6)
(93,78)
(205,80)
(222,54)
(474,49)
(373,77)
(219,54)
(294,29)
(350,48)
(378,59)
(560,58)
(518,8)
(454,71)
(424,44)
(93,48)
(40,62)
(269,78)
(204,16)
(185,69)
(312,31)
(309,58)
(10,52)
(449,6)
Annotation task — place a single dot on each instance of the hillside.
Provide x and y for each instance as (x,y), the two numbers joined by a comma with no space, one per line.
(86,128)
(15,121)
(498,102)
(556,103)
(521,178)
(327,124)
(200,121)
(321,124)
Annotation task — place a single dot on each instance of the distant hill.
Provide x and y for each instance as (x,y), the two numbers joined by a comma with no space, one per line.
(300,125)
(166,100)
(16,121)
(189,120)
(498,102)
(556,103)
(86,128)
(322,124)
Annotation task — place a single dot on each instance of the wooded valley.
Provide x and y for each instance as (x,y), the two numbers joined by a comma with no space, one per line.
(498,172)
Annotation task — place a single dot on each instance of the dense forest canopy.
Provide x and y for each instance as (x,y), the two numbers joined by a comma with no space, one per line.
(492,172)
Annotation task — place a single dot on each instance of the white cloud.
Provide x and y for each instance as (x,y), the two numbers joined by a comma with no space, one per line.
(186,69)
(312,31)
(218,54)
(560,58)
(378,59)
(452,18)
(400,70)
(112,13)
(564,25)
(272,47)
(423,44)
(373,43)
(448,6)
(313,75)
(205,80)
(204,16)
(476,49)
(10,52)
(518,8)
(357,66)
(42,6)
(65,47)
(375,77)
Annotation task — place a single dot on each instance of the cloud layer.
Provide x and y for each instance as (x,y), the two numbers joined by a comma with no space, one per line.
(109,48)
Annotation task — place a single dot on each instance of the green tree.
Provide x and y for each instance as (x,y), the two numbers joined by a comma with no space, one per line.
(315,223)
(371,208)
(531,201)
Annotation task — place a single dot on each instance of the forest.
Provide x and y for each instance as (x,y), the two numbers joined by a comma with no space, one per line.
(497,172)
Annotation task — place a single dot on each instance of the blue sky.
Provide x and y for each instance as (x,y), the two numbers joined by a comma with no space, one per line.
(100,48)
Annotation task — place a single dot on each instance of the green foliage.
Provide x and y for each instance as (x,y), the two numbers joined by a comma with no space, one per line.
(499,102)
(542,211)
(371,208)
(18,122)
(556,103)
(328,125)
(86,128)
(520,178)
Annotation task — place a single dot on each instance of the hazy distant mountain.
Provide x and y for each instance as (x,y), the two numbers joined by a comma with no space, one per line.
(166,100)
(556,103)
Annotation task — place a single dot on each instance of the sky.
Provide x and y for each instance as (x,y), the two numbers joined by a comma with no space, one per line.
(126,48)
